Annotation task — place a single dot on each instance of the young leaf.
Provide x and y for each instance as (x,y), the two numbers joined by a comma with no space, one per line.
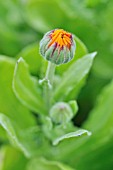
(26,88)
(71,135)
(74,106)
(73,76)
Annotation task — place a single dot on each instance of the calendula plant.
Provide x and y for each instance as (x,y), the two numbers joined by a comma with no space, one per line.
(40,108)
(28,126)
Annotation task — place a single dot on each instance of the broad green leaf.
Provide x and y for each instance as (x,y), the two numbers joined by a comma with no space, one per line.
(103,68)
(12,159)
(6,123)
(96,157)
(3,136)
(16,120)
(43,164)
(71,135)
(102,112)
(9,104)
(81,49)
(27,88)
(1,157)
(30,140)
(75,91)
(73,76)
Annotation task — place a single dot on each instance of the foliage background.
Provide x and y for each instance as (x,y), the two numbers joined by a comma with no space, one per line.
(22,24)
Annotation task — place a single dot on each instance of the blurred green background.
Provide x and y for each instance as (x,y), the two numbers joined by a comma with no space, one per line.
(23,22)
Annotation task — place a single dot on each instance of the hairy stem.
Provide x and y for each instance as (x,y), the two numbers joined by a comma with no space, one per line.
(49,83)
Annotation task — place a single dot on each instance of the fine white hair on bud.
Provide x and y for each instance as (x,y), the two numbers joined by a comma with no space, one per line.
(61,113)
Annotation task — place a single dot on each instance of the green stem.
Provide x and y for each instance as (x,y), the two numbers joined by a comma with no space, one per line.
(48,86)
(50,72)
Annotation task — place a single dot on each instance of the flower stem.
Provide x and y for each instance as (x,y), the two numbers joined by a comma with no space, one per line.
(50,72)
(48,86)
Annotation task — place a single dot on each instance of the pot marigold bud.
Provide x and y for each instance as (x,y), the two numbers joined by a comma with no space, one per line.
(58,46)
(61,113)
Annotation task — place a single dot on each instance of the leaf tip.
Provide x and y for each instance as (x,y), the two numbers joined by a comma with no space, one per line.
(89,133)
(94,54)
(20,60)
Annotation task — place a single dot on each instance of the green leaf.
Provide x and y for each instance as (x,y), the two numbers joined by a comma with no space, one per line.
(27,88)
(71,135)
(91,150)
(6,123)
(43,164)
(81,48)
(73,76)
(3,136)
(28,140)
(9,104)
(16,119)
(8,154)
(102,112)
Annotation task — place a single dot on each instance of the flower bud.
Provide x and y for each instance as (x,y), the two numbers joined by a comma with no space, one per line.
(61,113)
(58,46)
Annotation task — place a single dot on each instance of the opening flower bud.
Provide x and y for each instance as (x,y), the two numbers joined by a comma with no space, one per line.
(61,113)
(58,46)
